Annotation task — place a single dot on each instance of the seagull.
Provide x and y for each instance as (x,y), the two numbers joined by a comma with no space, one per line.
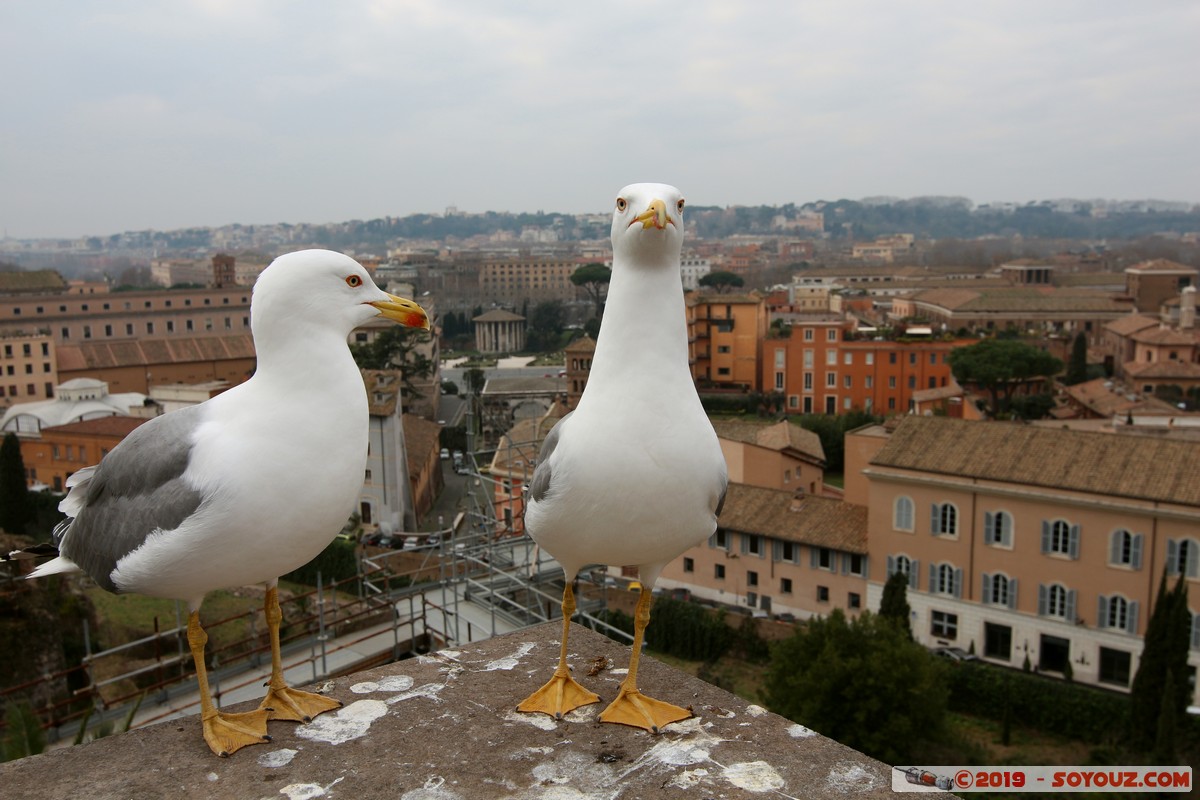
(634,475)
(248,485)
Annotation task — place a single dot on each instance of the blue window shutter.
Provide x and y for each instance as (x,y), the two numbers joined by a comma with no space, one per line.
(1012,593)
(1115,546)
(1193,559)
(935,519)
(1135,551)
(1074,542)
(986,587)
(1131,621)
(745,543)
(958,582)
(1007,534)
(1071,606)
(776,549)
(1045,536)
(914,574)
(891,565)
(812,553)
(1042,592)
(933,581)
(1102,612)
(1172,557)
(989,521)
(845,563)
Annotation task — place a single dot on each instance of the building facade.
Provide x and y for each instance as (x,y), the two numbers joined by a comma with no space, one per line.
(725,336)
(28,368)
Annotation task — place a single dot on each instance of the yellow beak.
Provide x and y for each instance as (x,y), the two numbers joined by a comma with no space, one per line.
(655,215)
(406,312)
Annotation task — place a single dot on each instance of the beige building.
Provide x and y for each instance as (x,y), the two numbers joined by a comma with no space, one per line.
(512,281)
(780,456)
(28,368)
(1031,543)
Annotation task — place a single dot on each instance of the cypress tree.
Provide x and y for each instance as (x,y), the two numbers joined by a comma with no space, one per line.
(1077,364)
(16,508)
(1164,650)
(894,603)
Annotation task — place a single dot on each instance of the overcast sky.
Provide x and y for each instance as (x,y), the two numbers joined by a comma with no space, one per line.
(131,114)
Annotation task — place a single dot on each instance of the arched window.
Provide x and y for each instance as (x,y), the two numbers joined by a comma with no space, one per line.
(1056,600)
(908,566)
(1183,557)
(902,513)
(1060,537)
(944,519)
(998,528)
(1118,613)
(999,590)
(945,579)
(1125,549)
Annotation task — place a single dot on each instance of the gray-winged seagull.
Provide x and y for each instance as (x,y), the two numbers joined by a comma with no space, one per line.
(634,475)
(250,484)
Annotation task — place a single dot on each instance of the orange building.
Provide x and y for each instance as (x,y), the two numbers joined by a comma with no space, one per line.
(822,373)
(63,450)
(725,336)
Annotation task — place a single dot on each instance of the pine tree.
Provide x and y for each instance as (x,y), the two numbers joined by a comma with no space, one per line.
(1164,658)
(1077,364)
(16,508)
(894,603)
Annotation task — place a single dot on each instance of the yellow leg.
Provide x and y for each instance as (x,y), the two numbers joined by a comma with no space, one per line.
(631,706)
(282,701)
(225,733)
(562,693)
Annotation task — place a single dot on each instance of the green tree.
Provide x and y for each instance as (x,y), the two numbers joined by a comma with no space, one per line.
(546,323)
(397,347)
(593,278)
(16,508)
(894,603)
(475,378)
(1077,364)
(721,281)
(1162,665)
(999,366)
(863,682)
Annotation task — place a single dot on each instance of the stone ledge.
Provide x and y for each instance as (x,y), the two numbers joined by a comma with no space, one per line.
(443,727)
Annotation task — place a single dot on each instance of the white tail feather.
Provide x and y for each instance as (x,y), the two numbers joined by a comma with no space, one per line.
(55,566)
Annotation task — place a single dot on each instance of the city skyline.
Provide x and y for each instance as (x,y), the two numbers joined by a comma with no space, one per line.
(139,116)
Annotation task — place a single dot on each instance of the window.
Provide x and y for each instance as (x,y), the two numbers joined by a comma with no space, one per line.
(945,579)
(1060,538)
(822,558)
(943,625)
(997,528)
(891,381)
(1116,613)
(906,565)
(1182,557)
(822,594)
(997,641)
(999,590)
(831,335)
(830,405)
(785,585)
(891,358)
(944,520)
(719,539)
(869,382)
(808,334)
(689,564)
(831,358)
(847,358)
(724,348)
(854,600)
(1056,600)
(846,381)
(1125,549)
(787,551)
(870,358)
(779,381)
(902,513)
(1114,666)
(808,359)
(751,578)
(780,358)
(912,359)
(722,370)
(719,572)
(830,380)
(753,545)
(855,564)
(1055,652)
(808,382)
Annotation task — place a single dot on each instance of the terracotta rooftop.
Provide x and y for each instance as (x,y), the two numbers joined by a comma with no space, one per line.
(1170,368)
(778,436)
(100,426)
(1131,324)
(1100,397)
(1164,336)
(1145,469)
(808,519)
(584,344)
(1022,298)
(383,391)
(137,352)
(420,437)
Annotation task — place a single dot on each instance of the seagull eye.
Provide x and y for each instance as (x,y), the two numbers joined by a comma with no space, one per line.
(679,206)
(353,281)
(622,204)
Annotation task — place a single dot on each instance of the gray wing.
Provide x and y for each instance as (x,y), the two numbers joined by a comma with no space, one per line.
(540,484)
(135,490)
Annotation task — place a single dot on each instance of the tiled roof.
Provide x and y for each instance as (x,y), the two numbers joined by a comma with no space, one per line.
(584,344)
(1160,264)
(1132,323)
(1164,336)
(1021,298)
(1097,463)
(138,352)
(101,426)
(1099,397)
(498,315)
(778,436)
(38,280)
(420,437)
(807,519)
(383,391)
(1170,368)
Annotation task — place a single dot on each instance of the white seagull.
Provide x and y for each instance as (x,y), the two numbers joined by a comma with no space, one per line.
(250,484)
(634,475)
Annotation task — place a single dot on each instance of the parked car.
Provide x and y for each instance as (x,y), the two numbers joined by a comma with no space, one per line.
(786,616)
(445,454)
(954,654)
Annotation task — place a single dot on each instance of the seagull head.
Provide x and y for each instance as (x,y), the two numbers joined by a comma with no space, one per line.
(648,222)
(321,288)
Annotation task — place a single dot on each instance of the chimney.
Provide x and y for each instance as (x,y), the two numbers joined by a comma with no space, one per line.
(1187,308)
